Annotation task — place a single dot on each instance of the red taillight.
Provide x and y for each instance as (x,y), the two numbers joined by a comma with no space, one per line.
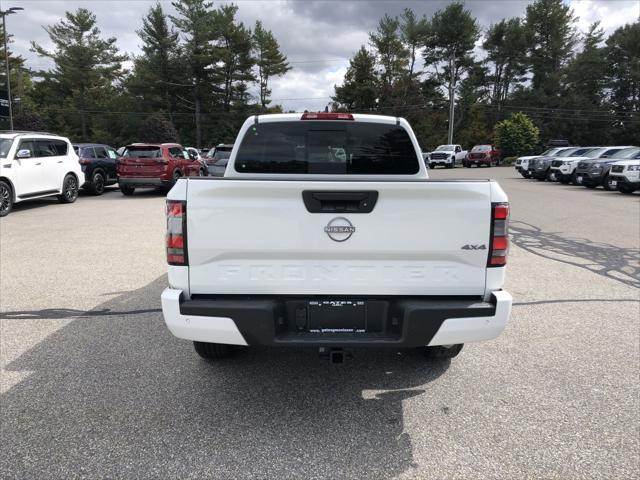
(84,161)
(501,211)
(176,233)
(499,235)
(327,116)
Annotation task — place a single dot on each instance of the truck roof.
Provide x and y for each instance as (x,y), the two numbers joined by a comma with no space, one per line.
(357,117)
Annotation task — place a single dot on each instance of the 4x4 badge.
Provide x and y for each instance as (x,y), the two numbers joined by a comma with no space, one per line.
(474,247)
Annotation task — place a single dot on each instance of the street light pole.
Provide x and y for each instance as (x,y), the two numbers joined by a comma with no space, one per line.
(6,59)
(6,63)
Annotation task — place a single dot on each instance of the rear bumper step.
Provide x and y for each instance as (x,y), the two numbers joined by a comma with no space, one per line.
(298,321)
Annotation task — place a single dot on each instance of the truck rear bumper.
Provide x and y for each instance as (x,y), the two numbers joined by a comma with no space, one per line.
(284,321)
(142,182)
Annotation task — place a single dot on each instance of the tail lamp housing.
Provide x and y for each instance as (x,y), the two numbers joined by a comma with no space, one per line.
(176,238)
(499,244)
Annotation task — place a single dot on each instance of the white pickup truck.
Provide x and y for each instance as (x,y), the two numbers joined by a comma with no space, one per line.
(447,155)
(326,232)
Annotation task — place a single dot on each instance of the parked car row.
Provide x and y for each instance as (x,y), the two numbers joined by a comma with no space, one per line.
(40,164)
(449,156)
(613,167)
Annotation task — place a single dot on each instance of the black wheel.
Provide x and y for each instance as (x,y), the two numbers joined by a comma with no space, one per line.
(6,199)
(442,352)
(450,165)
(543,178)
(432,166)
(565,181)
(176,176)
(606,184)
(127,190)
(622,189)
(574,179)
(202,173)
(592,186)
(97,183)
(526,174)
(213,351)
(69,189)
(551,176)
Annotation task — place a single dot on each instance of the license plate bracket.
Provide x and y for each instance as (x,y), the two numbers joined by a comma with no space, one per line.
(337,316)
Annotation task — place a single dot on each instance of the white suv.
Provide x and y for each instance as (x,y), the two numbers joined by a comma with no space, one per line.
(34,165)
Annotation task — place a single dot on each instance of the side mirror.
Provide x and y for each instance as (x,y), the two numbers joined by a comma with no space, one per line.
(24,153)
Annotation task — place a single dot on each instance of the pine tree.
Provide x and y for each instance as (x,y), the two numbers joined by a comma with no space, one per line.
(393,56)
(412,33)
(551,39)
(623,59)
(232,49)
(506,46)
(449,42)
(159,68)
(270,61)
(195,21)
(86,65)
(358,92)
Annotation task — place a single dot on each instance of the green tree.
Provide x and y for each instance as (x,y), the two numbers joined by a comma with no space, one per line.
(393,56)
(412,33)
(21,81)
(159,68)
(358,92)
(157,128)
(586,75)
(623,60)
(270,61)
(86,65)
(232,51)
(506,45)
(551,38)
(449,42)
(516,135)
(195,21)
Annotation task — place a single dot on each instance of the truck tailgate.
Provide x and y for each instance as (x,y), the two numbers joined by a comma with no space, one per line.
(258,237)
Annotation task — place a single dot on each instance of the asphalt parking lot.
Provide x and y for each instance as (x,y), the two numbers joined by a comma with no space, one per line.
(93,384)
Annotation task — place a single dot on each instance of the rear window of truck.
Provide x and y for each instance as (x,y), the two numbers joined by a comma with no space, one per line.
(326,147)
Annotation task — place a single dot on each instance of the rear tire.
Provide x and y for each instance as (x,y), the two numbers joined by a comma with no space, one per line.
(442,352)
(69,189)
(6,199)
(449,165)
(626,190)
(605,184)
(432,166)
(213,351)
(592,186)
(97,184)
(550,176)
(573,179)
(127,190)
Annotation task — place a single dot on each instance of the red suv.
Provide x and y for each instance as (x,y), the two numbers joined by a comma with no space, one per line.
(483,155)
(156,165)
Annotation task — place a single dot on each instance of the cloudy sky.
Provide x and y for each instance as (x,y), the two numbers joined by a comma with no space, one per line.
(317,36)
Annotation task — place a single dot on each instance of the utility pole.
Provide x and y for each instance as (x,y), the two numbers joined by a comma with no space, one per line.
(451,99)
(6,59)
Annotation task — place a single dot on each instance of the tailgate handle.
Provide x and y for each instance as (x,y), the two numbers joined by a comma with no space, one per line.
(361,201)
